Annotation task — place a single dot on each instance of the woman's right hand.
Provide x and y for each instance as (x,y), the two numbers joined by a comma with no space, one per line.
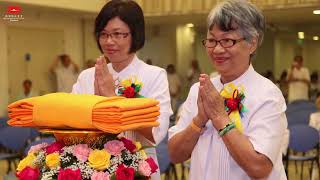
(103,80)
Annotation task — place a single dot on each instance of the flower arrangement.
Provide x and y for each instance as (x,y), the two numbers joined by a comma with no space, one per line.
(234,98)
(116,159)
(130,88)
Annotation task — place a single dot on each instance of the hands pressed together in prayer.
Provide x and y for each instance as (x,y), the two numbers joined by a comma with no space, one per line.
(210,104)
(103,80)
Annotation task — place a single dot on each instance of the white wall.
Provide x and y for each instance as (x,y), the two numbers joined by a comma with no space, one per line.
(3,70)
(206,65)
(185,48)
(264,59)
(91,50)
(45,20)
(160,45)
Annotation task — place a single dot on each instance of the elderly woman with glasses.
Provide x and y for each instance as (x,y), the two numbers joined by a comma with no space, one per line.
(120,33)
(232,126)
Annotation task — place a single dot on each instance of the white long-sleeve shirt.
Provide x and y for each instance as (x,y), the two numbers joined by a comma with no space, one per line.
(155,85)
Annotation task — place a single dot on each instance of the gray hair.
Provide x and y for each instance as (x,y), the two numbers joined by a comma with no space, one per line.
(238,15)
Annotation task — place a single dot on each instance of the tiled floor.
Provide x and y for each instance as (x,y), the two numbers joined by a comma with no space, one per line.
(292,174)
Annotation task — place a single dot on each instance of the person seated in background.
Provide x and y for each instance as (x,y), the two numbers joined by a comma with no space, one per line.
(174,85)
(299,80)
(149,61)
(193,72)
(27,90)
(66,72)
(314,86)
(232,126)
(315,117)
(269,75)
(282,83)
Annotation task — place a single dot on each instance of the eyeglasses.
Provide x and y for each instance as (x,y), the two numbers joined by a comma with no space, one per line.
(113,36)
(226,43)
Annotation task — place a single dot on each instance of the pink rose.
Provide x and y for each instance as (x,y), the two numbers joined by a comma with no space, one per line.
(114,147)
(100,176)
(144,168)
(37,148)
(81,151)
(54,147)
(68,174)
(154,167)
(29,173)
(128,144)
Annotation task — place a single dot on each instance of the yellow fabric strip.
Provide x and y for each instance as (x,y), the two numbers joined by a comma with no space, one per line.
(127,104)
(126,114)
(128,119)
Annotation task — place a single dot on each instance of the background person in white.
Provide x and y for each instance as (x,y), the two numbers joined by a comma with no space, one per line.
(235,30)
(299,80)
(120,32)
(66,72)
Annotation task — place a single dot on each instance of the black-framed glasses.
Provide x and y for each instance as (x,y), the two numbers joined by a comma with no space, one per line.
(226,43)
(113,35)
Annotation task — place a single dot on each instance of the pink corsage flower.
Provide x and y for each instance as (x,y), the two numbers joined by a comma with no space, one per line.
(144,168)
(100,176)
(37,148)
(114,147)
(81,151)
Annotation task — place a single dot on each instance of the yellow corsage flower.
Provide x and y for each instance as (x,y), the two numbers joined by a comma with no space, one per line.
(27,161)
(234,97)
(53,160)
(143,154)
(138,146)
(99,159)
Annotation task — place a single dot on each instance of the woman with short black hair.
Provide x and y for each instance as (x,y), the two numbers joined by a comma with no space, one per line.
(119,32)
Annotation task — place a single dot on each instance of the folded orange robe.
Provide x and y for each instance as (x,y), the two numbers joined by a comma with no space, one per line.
(63,110)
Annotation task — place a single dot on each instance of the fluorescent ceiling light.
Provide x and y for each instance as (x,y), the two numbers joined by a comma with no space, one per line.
(317,11)
(190,25)
(316,38)
(301,35)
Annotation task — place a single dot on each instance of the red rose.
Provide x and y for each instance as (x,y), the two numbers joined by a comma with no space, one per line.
(128,144)
(154,167)
(69,174)
(29,173)
(232,104)
(54,147)
(129,92)
(124,173)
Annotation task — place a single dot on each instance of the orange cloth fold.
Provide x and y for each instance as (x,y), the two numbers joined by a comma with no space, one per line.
(63,110)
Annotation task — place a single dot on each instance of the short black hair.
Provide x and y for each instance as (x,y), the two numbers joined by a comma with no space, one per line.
(130,13)
(27,81)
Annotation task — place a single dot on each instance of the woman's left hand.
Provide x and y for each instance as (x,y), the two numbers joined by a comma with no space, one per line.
(213,103)
(103,80)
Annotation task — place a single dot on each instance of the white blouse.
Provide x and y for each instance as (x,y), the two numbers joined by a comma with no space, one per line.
(155,85)
(264,124)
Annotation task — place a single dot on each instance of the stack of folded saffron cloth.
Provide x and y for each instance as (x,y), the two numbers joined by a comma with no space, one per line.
(86,112)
